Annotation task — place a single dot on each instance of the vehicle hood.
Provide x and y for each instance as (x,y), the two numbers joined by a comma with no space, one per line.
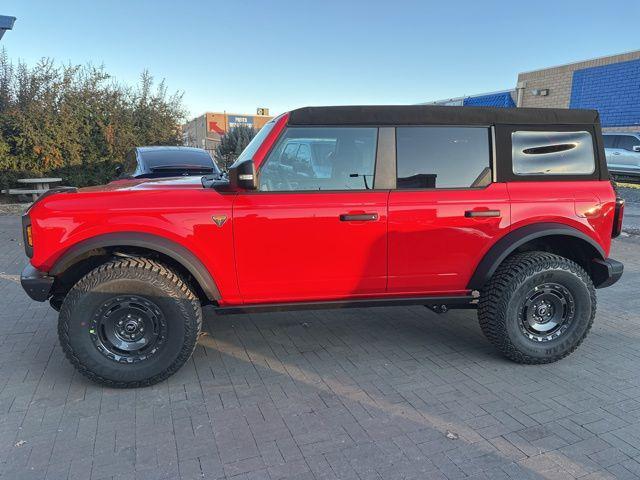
(171,183)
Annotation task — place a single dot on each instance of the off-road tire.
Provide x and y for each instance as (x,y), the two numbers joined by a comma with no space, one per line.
(501,305)
(180,309)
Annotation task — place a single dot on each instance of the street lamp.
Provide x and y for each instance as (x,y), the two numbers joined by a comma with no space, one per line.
(6,23)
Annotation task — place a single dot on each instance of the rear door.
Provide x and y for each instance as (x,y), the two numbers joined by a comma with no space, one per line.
(309,233)
(446,211)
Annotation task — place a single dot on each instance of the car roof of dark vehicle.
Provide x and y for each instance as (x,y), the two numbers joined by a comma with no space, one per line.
(181,157)
(439,115)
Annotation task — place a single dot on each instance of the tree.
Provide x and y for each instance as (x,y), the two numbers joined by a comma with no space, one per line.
(77,122)
(232,144)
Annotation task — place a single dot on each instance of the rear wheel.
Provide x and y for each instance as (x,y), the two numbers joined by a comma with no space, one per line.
(537,308)
(130,322)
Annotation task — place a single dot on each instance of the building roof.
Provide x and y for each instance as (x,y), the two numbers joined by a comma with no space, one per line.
(438,115)
(6,23)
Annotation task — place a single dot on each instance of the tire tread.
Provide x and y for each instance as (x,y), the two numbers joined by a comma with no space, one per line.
(498,292)
(167,280)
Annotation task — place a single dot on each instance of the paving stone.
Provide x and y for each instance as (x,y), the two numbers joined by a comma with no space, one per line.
(385,393)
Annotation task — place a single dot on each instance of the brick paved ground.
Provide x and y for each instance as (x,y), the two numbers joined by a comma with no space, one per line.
(387,393)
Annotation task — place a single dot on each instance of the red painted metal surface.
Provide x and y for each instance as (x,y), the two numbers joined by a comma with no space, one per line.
(177,210)
(585,205)
(433,246)
(294,247)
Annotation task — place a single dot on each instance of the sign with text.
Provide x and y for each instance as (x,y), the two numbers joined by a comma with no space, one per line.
(236,121)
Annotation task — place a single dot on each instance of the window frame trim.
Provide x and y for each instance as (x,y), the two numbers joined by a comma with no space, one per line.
(491,164)
(504,147)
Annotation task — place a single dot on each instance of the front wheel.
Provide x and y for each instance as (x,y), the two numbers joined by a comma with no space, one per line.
(537,307)
(128,323)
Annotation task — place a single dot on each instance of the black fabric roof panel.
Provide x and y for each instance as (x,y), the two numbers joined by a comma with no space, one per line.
(438,115)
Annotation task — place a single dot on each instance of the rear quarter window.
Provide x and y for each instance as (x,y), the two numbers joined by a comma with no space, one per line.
(552,153)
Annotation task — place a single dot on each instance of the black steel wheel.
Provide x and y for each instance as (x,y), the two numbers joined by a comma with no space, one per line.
(547,312)
(128,329)
(537,308)
(128,323)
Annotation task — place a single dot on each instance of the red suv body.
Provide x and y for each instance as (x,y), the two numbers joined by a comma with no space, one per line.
(352,206)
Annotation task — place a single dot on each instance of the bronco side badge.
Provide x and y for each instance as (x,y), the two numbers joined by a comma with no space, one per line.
(219,219)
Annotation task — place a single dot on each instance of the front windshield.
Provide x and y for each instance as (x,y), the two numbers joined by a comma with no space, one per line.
(254,144)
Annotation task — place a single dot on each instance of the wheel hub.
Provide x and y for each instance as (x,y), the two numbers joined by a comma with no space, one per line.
(128,328)
(546,312)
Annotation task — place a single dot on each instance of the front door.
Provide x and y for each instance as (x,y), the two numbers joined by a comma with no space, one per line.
(315,230)
(445,212)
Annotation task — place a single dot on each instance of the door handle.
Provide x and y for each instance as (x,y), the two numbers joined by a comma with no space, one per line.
(482,213)
(358,217)
(615,153)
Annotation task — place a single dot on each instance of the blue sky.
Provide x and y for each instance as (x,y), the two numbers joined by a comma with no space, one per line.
(238,55)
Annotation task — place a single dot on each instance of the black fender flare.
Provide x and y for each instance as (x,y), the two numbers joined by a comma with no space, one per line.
(175,251)
(516,238)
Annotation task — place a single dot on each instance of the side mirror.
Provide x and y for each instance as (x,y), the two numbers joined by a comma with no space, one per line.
(243,176)
(636,148)
(118,170)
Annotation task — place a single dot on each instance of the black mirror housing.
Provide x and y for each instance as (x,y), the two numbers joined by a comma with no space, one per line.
(243,176)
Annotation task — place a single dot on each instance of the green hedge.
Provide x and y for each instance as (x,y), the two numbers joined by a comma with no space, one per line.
(76,122)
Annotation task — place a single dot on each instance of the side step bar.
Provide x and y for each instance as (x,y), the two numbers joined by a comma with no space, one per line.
(459,301)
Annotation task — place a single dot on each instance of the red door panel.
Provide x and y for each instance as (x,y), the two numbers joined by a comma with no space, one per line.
(295,246)
(434,244)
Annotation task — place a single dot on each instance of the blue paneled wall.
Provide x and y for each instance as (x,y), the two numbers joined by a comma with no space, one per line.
(613,90)
(502,99)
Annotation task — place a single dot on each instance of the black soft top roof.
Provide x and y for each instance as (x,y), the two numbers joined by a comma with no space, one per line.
(439,115)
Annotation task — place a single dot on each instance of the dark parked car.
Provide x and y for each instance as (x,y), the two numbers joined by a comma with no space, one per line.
(163,161)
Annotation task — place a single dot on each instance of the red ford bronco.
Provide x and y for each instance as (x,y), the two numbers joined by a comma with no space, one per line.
(509,211)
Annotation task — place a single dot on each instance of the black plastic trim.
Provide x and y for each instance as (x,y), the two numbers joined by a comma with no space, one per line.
(438,114)
(459,301)
(606,272)
(37,284)
(143,240)
(511,241)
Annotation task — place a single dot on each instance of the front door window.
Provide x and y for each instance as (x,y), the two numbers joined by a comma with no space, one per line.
(321,158)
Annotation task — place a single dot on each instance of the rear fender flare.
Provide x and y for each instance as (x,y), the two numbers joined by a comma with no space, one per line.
(511,241)
(174,250)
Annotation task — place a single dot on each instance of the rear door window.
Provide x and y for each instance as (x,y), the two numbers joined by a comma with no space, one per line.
(609,141)
(627,142)
(443,157)
(552,153)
